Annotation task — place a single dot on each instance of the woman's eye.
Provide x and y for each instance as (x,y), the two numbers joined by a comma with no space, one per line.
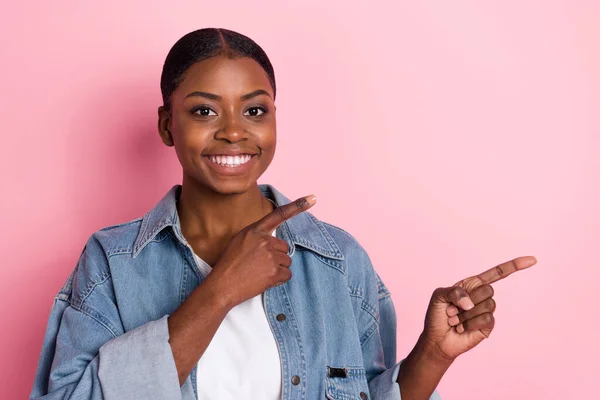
(255,111)
(204,112)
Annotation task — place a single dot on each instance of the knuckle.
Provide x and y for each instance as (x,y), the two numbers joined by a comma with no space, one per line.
(457,292)
(280,212)
(281,243)
(253,229)
(487,319)
(488,290)
(490,305)
(439,292)
(287,274)
(274,271)
(499,271)
(301,203)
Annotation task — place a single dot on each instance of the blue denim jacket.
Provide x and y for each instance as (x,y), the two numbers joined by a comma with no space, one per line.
(107,334)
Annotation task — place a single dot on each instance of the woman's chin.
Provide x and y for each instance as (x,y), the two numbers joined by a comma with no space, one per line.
(232,186)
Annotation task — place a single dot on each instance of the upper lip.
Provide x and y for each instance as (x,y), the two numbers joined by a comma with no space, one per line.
(230,152)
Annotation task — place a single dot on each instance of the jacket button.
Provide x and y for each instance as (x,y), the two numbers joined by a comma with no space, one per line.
(280,317)
(295,380)
(363,396)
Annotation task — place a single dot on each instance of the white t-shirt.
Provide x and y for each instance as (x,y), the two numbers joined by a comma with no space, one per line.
(242,360)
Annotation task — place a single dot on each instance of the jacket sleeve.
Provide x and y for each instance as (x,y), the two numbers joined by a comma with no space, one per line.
(379,352)
(85,353)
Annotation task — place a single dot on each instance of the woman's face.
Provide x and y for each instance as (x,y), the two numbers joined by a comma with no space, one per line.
(222,123)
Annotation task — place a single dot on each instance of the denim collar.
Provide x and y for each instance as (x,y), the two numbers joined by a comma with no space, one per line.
(303,229)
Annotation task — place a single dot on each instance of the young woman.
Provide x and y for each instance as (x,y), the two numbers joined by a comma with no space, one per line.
(226,289)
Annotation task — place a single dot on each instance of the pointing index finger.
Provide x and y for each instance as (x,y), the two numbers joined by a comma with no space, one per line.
(503,270)
(281,214)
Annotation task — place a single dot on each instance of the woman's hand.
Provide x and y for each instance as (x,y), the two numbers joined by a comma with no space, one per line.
(461,316)
(458,319)
(254,260)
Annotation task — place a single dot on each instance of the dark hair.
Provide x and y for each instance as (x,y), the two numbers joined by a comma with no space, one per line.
(206,43)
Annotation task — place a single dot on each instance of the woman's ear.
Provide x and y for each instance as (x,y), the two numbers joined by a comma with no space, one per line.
(164,126)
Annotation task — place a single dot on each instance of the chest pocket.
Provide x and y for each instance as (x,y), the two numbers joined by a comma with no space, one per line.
(352,387)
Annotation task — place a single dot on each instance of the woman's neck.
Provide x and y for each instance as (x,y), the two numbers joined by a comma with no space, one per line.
(207,215)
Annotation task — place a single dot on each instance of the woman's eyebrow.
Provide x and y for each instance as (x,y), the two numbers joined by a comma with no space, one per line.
(216,97)
(204,94)
(254,94)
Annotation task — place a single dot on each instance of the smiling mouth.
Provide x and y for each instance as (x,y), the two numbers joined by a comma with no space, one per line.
(230,161)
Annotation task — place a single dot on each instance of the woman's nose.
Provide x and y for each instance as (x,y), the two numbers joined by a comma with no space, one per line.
(232,131)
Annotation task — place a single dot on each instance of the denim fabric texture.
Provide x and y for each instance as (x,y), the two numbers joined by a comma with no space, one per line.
(107,334)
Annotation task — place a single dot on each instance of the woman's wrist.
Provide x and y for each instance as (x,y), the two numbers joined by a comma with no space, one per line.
(432,353)
(220,296)
(422,370)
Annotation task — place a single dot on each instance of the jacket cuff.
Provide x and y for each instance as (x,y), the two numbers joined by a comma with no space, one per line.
(139,364)
(385,386)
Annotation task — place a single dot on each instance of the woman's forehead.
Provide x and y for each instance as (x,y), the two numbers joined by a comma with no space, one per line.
(222,75)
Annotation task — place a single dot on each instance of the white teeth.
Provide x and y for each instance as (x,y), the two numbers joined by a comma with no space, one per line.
(231,161)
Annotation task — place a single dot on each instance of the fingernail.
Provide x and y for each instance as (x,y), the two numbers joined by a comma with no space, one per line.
(451,311)
(452,321)
(465,303)
(312,199)
(460,328)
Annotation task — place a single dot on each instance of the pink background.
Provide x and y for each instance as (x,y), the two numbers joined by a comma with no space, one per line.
(446,136)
